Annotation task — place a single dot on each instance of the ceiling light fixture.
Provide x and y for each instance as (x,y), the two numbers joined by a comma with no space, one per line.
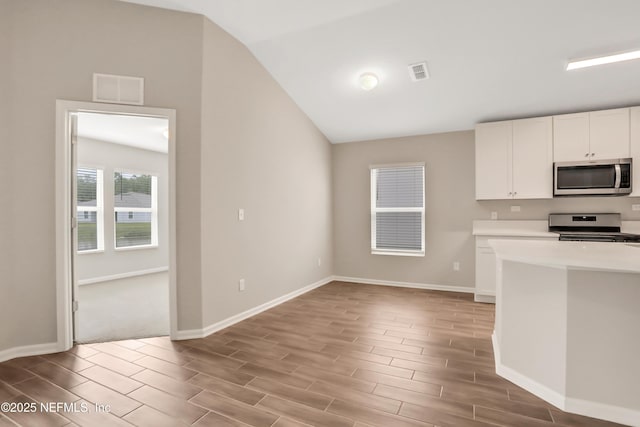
(368,81)
(600,60)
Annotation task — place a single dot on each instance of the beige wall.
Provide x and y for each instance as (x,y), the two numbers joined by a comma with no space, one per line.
(56,46)
(241,142)
(450,209)
(260,153)
(6,334)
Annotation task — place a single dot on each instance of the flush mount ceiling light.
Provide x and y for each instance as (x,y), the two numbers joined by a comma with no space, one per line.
(368,81)
(600,60)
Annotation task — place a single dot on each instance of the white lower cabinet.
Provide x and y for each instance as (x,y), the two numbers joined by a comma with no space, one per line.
(486,266)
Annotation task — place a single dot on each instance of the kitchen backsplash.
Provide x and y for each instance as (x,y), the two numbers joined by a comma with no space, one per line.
(540,209)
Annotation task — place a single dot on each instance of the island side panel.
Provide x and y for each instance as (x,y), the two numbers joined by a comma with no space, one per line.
(604,339)
(533,327)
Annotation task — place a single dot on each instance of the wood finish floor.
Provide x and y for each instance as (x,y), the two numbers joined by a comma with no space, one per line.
(341,355)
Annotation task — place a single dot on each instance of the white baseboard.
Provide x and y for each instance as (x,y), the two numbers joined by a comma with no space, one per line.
(112,277)
(587,408)
(490,299)
(429,286)
(208,330)
(603,411)
(28,350)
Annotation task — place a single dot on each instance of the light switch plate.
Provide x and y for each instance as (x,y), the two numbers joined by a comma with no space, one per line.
(240,214)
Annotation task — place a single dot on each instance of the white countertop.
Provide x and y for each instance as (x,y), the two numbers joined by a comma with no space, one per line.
(601,256)
(512,228)
(530,228)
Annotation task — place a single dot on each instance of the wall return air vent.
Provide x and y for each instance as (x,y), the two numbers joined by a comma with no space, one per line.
(418,71)
(118,89)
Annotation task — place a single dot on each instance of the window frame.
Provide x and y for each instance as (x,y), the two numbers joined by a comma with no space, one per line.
(98,209)
(153,210)
(375,210)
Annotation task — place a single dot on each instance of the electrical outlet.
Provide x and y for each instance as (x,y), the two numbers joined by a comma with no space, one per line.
(319,261)
(241,285)
(456,266)
(240,214)
(515,208)
(494,215)
(635,207)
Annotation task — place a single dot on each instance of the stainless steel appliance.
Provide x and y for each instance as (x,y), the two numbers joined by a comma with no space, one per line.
(598,227)
(592,178)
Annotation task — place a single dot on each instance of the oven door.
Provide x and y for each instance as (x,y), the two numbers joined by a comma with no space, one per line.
(604,177)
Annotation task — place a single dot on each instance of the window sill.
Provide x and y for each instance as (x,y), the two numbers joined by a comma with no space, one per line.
(89,252)
(397,253)
(135,248)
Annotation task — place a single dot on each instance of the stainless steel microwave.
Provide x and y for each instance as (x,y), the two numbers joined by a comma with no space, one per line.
(592,178)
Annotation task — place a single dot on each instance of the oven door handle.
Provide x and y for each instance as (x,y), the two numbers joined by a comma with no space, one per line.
(618,176)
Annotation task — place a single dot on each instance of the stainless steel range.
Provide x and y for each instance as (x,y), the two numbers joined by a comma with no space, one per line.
(600,227)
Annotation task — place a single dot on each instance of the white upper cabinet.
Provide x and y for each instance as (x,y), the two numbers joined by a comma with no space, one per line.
(514,159)
(532,171)
(591,136)
(609,134)
(571,137)
(635,149)
(493,160)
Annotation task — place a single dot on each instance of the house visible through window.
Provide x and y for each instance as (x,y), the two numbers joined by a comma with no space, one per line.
(90,209)
(135,209)
(397,209)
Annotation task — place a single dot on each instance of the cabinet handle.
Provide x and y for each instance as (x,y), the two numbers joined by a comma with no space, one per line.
(510,193)
(586,155)
(593,154)
(515,192)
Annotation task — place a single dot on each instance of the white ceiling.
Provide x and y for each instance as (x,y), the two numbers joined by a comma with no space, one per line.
(488,59)
(147,133)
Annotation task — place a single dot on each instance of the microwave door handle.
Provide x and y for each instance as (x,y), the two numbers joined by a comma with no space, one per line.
(618,176)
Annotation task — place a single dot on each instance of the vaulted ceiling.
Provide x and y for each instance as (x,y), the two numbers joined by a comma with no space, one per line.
(487,59)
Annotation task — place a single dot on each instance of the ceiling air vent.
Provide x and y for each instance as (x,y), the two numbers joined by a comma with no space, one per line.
(418,71)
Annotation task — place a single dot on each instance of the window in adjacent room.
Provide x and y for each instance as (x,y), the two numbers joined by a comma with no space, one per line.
(397,209)
(90,209)
(135,210)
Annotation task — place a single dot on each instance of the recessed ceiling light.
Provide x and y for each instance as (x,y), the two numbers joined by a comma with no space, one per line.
(600,60)
(368,81)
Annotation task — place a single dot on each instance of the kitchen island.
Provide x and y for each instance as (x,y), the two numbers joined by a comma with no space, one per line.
(568,324)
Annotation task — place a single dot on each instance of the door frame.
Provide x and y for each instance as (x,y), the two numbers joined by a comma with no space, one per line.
(64,204)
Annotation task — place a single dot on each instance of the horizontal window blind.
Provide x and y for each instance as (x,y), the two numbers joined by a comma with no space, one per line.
(399,230)
(400,187)
(86,184)
(89,216)
(135,209)
(132,191)
(397,209)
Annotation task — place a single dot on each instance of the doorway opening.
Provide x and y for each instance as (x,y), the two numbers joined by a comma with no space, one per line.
(115,222)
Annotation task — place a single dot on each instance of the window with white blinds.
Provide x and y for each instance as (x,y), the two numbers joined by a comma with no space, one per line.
(90,209)
(135,205)
(397,209)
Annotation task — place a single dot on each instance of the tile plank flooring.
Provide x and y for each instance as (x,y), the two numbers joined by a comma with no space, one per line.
(342,355)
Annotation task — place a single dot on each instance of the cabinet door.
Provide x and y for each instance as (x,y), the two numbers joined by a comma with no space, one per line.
(493,160)
(635,149)
(609,134)
(571,137)
(532,156)
(485,272)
